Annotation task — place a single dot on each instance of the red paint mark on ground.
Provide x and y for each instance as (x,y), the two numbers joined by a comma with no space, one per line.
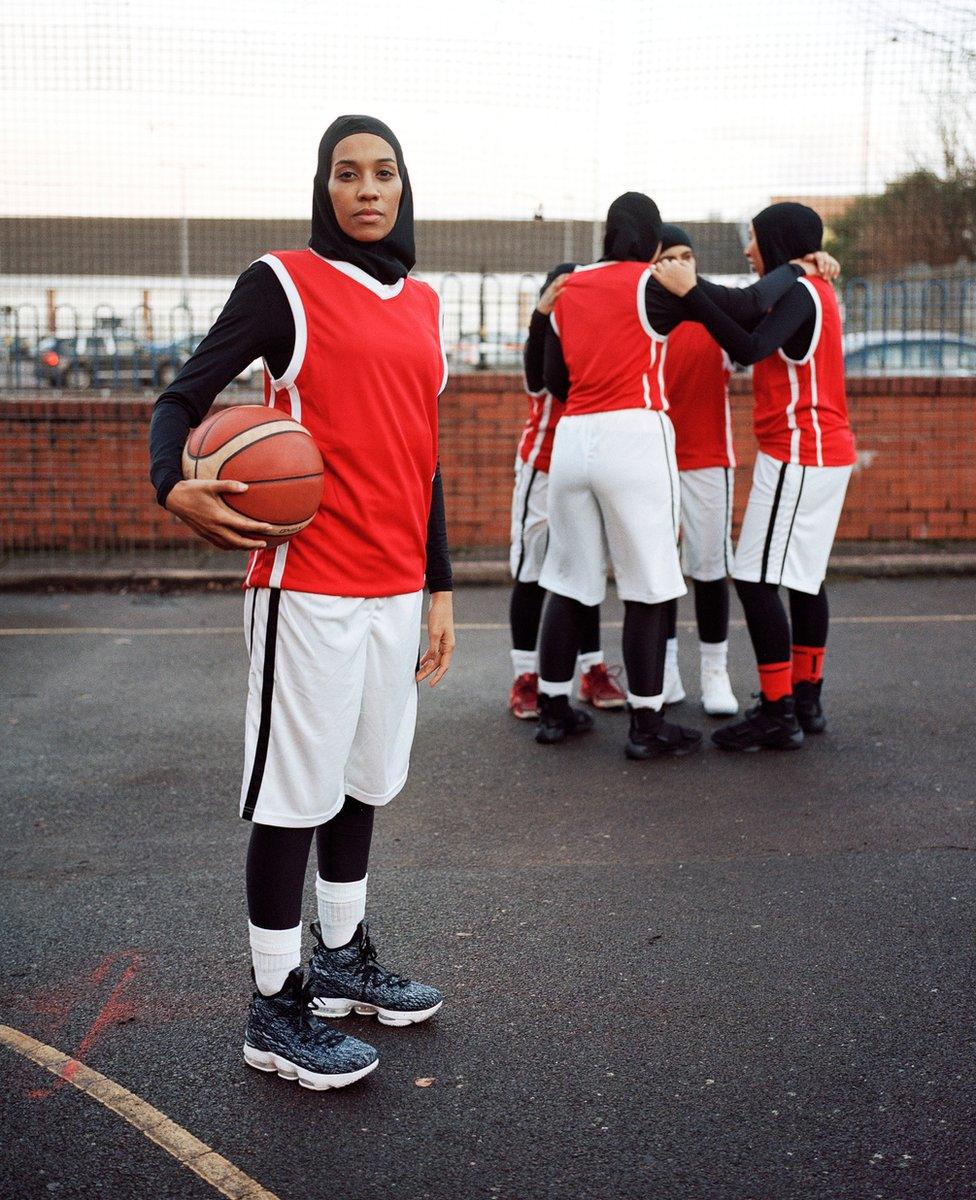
(115,1011)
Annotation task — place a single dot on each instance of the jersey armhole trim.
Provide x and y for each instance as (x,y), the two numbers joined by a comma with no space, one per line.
(817,327)
(287,380)
(646,325)
(440,341)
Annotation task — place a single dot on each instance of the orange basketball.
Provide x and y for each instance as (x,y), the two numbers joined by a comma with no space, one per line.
(275,456)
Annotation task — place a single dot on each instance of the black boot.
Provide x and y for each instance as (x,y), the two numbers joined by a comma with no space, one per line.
(770,723)
(651,736)
(557,720)
(809,711)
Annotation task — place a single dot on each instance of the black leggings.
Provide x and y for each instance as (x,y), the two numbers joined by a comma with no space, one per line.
(644,639)
(711,610)
(769,626)
(525,614)
(277,859)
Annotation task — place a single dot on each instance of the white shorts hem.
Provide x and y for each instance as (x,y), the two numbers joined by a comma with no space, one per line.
(294,820)
(377,800)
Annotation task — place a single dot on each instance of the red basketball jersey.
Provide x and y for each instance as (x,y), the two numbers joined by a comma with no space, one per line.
(800,412)
(364,378)
(615,359)
(696,377)
(535,444)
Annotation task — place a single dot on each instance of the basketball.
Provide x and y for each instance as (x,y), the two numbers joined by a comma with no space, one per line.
(274,455)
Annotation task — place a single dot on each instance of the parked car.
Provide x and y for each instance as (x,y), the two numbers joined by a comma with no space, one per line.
(108,358)
(494,351)
(909,352)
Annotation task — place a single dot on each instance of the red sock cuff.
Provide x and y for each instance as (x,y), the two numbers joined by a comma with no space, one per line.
(808,663)
(775,680)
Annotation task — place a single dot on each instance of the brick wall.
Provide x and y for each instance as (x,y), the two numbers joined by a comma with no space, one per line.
(74,469)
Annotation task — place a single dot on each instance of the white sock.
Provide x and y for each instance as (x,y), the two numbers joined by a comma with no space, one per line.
(715,655)
(524,662)
(548,688)
(671,653)
(590,660)
(274,952)
(341,907)
(655,702)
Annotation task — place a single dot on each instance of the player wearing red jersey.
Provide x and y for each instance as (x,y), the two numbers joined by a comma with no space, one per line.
(352,349)
(806,455)
(530,536)
(696,377)
(613,483)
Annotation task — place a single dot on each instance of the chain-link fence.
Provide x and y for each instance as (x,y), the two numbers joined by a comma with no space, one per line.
(151,152)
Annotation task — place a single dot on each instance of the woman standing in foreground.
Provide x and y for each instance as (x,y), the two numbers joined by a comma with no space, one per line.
(352,349)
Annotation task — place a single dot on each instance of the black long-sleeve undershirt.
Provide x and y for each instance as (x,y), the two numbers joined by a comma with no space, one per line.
(788,326)
(744,306)
(256,322)
(533,356)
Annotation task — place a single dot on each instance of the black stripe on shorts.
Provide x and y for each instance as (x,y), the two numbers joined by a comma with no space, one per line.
(525,513)
(789,532)
(267,696)
(772,521)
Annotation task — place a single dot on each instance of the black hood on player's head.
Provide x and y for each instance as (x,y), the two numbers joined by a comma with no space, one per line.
(674,235)
(633,229)
(392,257)
(785,231)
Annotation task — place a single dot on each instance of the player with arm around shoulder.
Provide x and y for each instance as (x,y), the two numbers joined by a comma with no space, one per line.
(352,349)
(805,459)
(530,534)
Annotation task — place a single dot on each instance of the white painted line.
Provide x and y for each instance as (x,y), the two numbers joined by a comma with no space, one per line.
(189,1151)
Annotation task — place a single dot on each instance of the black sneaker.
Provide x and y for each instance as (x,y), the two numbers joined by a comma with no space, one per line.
(349,977)
(558,721)
(280,1037)
(809,711)
(770,724)
(651,736)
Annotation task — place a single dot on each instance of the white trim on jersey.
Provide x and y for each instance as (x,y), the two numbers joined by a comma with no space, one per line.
(610,262)
(385,291)
(646,325)
(729,440)
(552,322)
(817,327)
(813,411)
(543,429)
(301,325)
(660,376)
(440,338)
(791,365)
(791,412)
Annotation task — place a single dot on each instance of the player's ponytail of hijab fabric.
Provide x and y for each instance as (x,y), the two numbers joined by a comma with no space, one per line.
(785,231)
(633,229)
(392,257)
(674,235)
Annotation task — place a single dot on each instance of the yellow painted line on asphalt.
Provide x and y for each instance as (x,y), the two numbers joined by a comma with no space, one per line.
(465,627)
(189,1151)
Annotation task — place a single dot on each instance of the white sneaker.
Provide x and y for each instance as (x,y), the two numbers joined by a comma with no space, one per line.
(718,699)
(674,689)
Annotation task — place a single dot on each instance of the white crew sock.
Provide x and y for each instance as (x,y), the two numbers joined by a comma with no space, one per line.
(274,952)
(590,660)
(655,702)
(341,907)
(524,662)
(715,655)
(671,653)
(548,688)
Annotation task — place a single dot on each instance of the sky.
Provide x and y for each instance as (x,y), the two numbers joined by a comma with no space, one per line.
(136,108)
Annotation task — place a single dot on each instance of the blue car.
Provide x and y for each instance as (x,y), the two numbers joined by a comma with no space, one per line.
(909,352)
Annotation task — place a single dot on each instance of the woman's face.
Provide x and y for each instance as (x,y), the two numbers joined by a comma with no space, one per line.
(752,253)
(365,186)
(683,254)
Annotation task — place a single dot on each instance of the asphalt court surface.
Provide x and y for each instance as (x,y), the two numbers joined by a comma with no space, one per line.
(743,977)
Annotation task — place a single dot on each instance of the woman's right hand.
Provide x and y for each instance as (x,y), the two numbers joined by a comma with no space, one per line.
(197,503)
(549,297)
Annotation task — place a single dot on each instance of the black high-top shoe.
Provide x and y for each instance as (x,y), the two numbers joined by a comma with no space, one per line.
(651,736)
(558,721)
(770,725)
(809,711)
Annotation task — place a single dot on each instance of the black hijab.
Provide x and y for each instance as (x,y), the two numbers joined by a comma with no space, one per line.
(392,257)
(785,231)
(674,235)
(633,229)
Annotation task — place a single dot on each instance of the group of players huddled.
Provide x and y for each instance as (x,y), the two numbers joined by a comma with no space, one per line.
(627,458)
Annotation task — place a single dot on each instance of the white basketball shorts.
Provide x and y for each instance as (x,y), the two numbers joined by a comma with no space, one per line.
(789,524)
(706,522)
(530,522)
(614,492)
(331,704)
